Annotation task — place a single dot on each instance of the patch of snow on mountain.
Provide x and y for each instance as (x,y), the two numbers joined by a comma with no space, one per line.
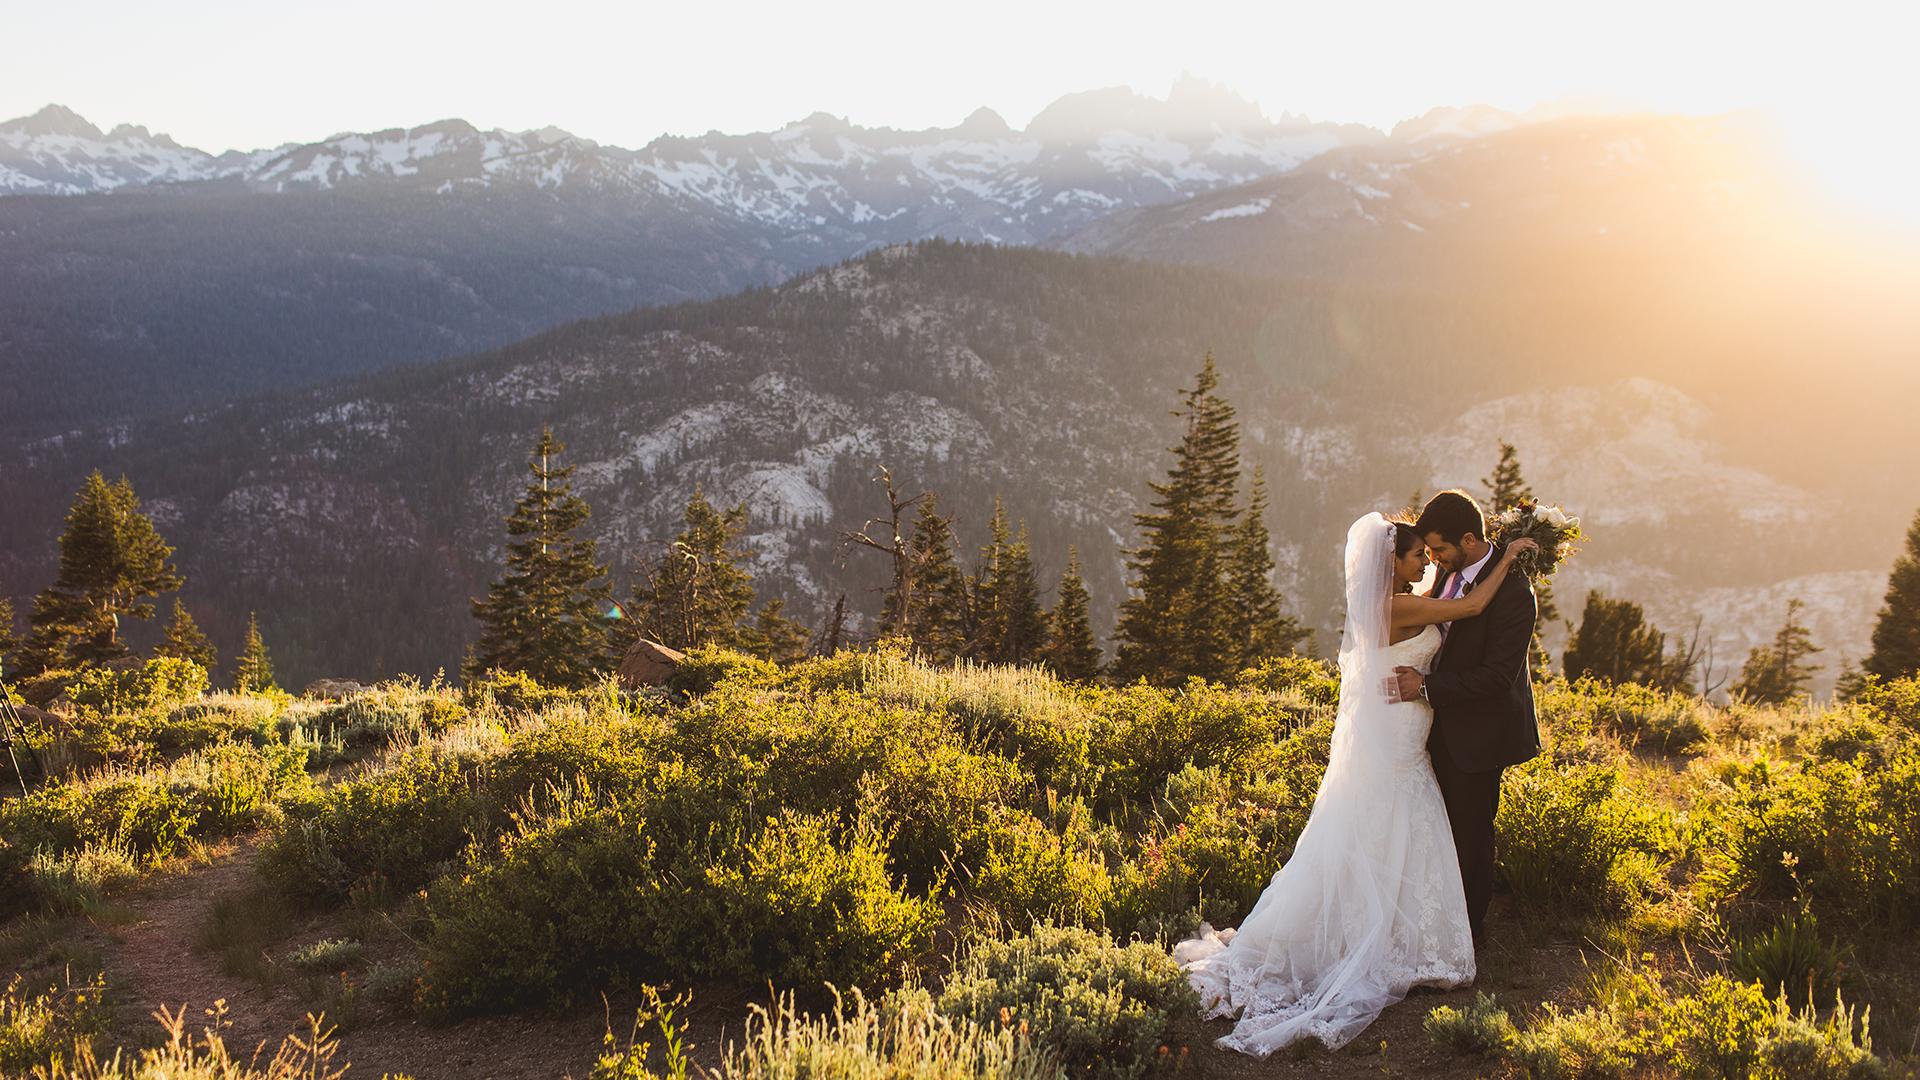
(1247,209)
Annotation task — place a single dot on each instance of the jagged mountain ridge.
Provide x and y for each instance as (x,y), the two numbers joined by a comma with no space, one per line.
(358,517)
(181,278)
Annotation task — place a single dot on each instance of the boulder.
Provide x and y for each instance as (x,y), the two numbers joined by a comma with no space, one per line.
(648,663)
(333,689)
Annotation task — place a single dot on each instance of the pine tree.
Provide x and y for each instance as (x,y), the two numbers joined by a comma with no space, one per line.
(1257,624)
(834,634)
(938,620)
(545,616)
(1778,673)
(112,562)
(699,592)
(775,637)
(1510,489)
(253,671)
(184,640)
(1616,644)
(1896,636)
(1071,650)
(986,629)
(1173,623)
(1022,623)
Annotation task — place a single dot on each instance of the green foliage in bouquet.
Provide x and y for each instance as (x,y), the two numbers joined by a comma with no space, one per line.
(1557,533)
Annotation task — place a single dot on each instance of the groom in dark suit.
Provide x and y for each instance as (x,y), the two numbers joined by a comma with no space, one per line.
(1481,688)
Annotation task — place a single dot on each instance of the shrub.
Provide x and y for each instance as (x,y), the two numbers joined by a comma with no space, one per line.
(710,665)
(1789,958)
(1029,871)
(308,1056)
(1483,1027)
(512,692)
(401,822)
(909,1039)
(1640,716)
(38,1025)
(1313,682)
(1585,1045)
(328,956)
(804,909)
(1105,1009)
(1574,837)
(160,681)
(556,908)
(77,881)
(1142,735)
(1804,1047)
(1715,1032)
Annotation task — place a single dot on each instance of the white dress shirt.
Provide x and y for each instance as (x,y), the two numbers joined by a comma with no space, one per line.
(1459,582)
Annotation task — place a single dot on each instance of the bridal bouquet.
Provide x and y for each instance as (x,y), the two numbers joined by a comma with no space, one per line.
(1556,531)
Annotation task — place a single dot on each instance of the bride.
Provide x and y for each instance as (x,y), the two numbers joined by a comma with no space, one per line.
(1371,903)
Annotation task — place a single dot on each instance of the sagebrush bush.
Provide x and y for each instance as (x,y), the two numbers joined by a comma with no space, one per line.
(1105,1009)
(44,1020)
(1483,1027)
(1590,1044)
(1577,837)
(908,1039)
(1032,871)
(555,909)
(1639,716)
(807,902)
(401,822)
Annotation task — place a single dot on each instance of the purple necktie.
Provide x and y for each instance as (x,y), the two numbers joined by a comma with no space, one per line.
(1451,592)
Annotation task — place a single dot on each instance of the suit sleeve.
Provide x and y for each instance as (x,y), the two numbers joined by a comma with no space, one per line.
(1509,633)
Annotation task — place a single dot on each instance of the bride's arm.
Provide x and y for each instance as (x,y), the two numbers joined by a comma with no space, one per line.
(1410,611)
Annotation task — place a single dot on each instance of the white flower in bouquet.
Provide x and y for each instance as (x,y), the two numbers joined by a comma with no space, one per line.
(1556,531)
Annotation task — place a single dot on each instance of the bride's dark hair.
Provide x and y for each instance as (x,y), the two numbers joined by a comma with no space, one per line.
(1404,539)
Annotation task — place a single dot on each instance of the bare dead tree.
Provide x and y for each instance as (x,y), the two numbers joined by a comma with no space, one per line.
(1695,659)
(890,542)
(834,631)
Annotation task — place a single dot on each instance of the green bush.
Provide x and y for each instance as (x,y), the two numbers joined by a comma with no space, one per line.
(1105,1009)
(802,908)
(163,680)
(556,909)
(400,822)
(1715,1032)
(1315,682)
(1575,837)
(1639,716)
(710,665)
(1030,871)
(907,1039)
(1483,1027)
(39,1025)
(1587,1045)
(1843,836)
(512,692)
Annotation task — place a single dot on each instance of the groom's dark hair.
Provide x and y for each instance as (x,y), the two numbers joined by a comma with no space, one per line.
(1453,514)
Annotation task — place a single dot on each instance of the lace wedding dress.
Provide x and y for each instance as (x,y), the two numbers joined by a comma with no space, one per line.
(1371,903)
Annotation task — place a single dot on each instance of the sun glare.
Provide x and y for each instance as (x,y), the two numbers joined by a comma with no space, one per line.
(1863,159)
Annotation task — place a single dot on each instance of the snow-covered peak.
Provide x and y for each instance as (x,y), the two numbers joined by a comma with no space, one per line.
(52,120)
(1456,122)
(58,152)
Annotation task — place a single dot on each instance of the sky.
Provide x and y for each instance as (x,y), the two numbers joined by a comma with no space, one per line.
(226,74)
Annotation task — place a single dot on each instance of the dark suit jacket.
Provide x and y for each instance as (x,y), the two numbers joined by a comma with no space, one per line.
(1482,686)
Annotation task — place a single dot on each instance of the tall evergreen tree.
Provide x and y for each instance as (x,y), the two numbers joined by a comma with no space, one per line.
(774,636)
(1257,623)
(986,619)
(1173,623)
(1071,650)
(700,591)
(937,621)
(184,640)
(253,671)
(1022,623)
(1896,636)
(112,563)
(1615,643)
(1510,489)
(545,616)
(834,634)
(1777,673)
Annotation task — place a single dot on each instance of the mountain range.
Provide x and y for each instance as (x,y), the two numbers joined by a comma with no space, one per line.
(301,356)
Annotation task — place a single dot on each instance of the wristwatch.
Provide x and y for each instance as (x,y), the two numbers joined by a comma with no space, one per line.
(1423,693)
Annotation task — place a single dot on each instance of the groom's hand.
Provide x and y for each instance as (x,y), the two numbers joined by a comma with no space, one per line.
(1405,684)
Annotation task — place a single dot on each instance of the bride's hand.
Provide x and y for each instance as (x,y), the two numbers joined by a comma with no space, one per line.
(1521,546)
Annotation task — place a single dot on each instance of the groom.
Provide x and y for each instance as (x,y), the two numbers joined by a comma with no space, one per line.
(1480,689)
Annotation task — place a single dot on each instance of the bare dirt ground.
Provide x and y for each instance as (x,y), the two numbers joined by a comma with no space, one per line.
(150,960)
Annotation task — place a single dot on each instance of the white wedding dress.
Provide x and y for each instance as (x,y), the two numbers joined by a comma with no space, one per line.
(1371,903)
